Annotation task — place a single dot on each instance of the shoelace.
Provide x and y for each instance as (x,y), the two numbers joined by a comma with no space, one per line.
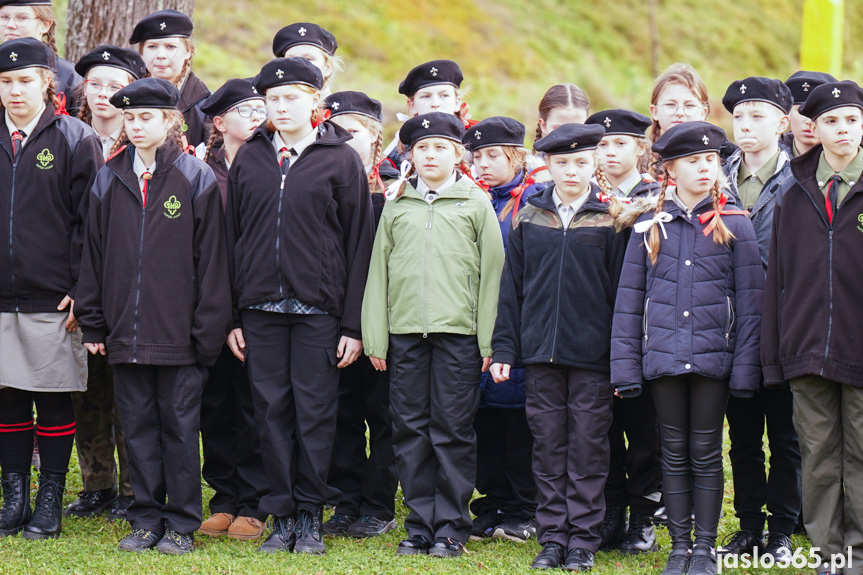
(733,538)
(142,533)
(179,539)
(281,526)
(48,492)
(677,562)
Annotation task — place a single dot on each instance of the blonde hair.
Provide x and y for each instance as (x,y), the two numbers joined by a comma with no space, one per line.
(187,65)
(517,157)
(376,129)
(461,166)
(336,63)
(175,131)
(85,114)
(46,15)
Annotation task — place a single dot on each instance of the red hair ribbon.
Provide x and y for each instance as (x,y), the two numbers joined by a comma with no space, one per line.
(187,148)
(466,171)
(60,100)
(375,176)
(518,191)
(321,116)
(117,153)
(605,198)
(714,215)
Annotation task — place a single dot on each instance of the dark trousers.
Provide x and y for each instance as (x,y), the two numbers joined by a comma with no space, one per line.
(160,410)
(634,474)
(232,449)
(503,463)
(98,432)
(690,410)
(753,488)
(569,412)
(291,360)
(367,483)
(434,395)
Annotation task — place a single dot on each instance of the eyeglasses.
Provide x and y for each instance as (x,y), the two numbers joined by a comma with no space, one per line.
(19,20)
(247,111)
(689,109)
(94,87)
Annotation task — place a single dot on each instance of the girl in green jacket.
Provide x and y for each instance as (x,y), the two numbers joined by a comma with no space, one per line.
(435,269)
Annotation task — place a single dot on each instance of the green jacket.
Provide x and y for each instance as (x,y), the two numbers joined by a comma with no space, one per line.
(435,268)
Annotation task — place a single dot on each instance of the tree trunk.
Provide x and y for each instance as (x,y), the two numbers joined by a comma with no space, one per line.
(94,22)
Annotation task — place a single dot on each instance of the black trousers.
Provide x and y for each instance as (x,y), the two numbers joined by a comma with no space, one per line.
(634,474)
(160,411)
(367,483)
(781,491)
(503,463)
(233,466)
(690,410)
(569,412)
(434,396)
(292,361)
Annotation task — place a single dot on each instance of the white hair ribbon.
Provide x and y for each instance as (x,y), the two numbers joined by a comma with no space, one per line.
(393,189)
(643,227)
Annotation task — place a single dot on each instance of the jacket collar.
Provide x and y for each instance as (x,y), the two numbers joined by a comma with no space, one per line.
(121,164)
(544,200)
(331,135)
(706,204)
(503,192)
(193,92)
(803,168)
(460,190)
(47,118)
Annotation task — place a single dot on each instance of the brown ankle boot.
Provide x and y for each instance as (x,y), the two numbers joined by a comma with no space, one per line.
(216,525)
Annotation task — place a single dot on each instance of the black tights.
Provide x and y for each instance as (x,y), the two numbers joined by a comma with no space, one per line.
(690,410)
(55,430)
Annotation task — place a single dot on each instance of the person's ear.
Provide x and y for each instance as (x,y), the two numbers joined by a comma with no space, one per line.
(219,124)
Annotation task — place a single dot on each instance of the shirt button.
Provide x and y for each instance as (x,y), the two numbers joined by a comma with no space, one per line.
(820,184)
(689,263)
(686,314)
(688,366)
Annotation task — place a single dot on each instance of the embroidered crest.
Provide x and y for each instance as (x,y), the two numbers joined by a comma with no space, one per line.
(162,26)
(478,135)
(860,219)
(302,31)
(742,88)
(574,145)
(433,71)
(44,159)
(126,100)
(13,56)
(425,124)
(836,92)
(106,55)
(280,73)
(607,122)
(805,86)
(184,127)
(706,140)
(173,206)
(335,105)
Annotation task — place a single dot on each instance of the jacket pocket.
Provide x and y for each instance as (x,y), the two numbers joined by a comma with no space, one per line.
(729,322)
(472,299)
(644,321)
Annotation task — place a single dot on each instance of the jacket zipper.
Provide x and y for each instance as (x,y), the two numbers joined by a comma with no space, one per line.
(278,235)
(644,320)
(389,310)
(472,298)
(138,289)
(11,218)
(730,322)
(559,282)
(426,272)
(830,310)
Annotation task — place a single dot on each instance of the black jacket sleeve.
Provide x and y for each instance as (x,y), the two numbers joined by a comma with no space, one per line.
(86,161)
(88,304)
(506,341)
(232,234)
(773,290)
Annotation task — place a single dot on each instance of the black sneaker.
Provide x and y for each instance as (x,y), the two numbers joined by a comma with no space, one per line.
(139,540)
(484,525)
(515,529)
(743,542)
(120,508)
(282,537)
(416,545)
(678,562)
(779,547)
(446,547)
(307,527)
(338,524)
(370,526)
(702,561)
(90,503)
(174,543)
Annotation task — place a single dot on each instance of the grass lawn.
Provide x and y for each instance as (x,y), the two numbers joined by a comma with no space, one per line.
(88,546)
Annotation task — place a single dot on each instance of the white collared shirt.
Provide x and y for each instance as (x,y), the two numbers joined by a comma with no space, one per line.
(424,189)
(565,212)
(139,168)
(108,142)
(298,148)
(28,129)
(628,184)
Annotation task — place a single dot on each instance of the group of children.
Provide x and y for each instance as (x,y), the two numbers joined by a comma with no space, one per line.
(563,329)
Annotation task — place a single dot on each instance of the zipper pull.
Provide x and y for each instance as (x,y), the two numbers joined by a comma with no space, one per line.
(282,187)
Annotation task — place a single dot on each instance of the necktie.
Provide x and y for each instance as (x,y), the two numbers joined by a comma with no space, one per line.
(285,157)
(147,177)
(831,199)
(17,137)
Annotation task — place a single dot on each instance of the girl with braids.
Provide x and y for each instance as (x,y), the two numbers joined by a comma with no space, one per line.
(366,506)
(556,299)
(687,322)
(428,314)
(36,19)
(561,104)
(164,40)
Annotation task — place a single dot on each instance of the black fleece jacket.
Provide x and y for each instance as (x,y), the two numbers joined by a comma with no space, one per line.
(197,129)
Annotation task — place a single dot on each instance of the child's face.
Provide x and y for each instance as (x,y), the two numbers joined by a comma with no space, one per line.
(22,92)
(440,98)
(290,108)
(560,116)
(435,160)
(618,155)
(103,82)
(757,126)
(21,22)
(147,128)
(314,55)
(677,104)
(572,172)
(165,57)
(234,126)
(493,166)
(363,140)
(801,128)
(840,130)
(696,174)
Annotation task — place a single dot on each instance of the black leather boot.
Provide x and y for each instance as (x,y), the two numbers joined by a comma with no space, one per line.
(613,528)
(47,520)
(640,537)
(15,512)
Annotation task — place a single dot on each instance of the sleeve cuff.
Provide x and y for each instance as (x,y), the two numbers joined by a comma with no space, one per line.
(503,357)
(742,393)
(94,335)
(773,375)
(629,390)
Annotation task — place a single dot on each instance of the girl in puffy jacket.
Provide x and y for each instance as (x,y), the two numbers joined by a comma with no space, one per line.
(428,315)
(687,322)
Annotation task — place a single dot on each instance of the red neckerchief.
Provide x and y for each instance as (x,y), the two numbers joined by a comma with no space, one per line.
(321,116)
(375,176)
(605,198)
(61,105)
(518,191)
(714,215)
(466,171)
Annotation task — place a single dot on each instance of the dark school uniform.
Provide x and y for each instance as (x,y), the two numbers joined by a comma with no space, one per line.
(192,93)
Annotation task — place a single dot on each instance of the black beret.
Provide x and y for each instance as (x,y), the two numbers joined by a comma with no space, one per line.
(23,53)
(433,125)
(162,24)
(831,95)
(495,131)
(354,103)
(283,71)
(147,93)
(115,57)
(231,93)
(689,138)
(620,122)
(431,74)
(758,89)
(25,3)
(303,34)
(802,83)
(571,138)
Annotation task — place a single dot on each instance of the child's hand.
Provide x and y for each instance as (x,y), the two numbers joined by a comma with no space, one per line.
(378,363)
(486,362)
(71,322)
(349,350)
(95,348)
(237,344)
(499,372)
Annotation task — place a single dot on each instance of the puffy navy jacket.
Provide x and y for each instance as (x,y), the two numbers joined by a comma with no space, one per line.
(696,310)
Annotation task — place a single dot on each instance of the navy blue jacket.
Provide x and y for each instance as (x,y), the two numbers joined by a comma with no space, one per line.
(696,310)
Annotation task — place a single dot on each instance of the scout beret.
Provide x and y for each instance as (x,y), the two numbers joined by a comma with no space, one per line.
(431,74)
(433,125)
(147,93)
(353,103)
(571,138)
(831,95)
(803,82)
(303,34)
(230,94)
(758,89)
(620,122)
(495,131)
(25,3)
(688,139)
(285,71)
(162,24)
(115,57)
(23,53)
